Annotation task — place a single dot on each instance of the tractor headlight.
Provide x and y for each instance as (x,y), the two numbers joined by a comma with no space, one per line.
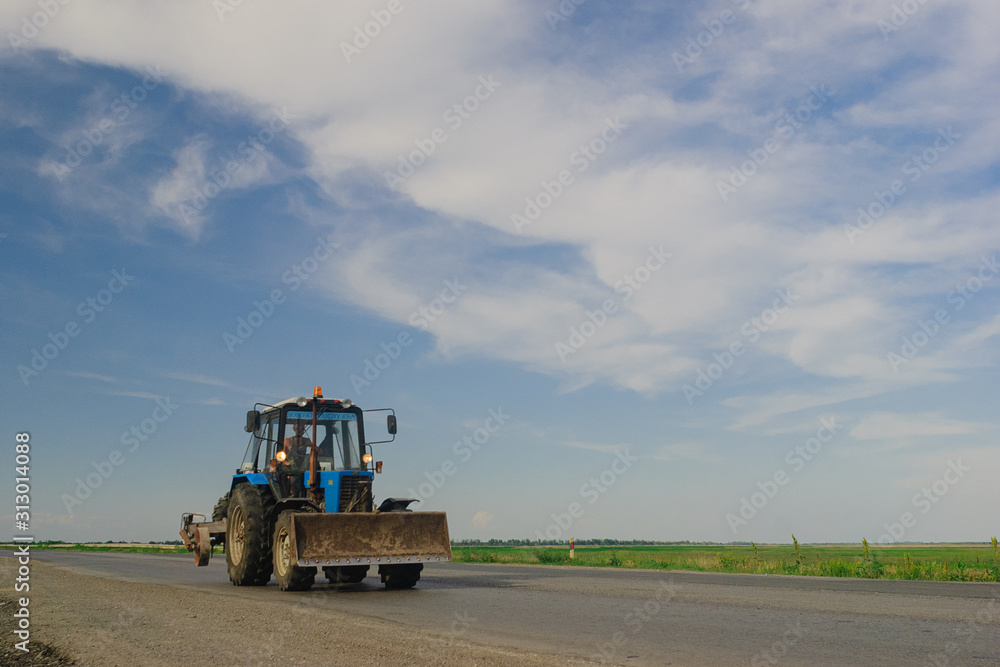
(281,456)
(367,458)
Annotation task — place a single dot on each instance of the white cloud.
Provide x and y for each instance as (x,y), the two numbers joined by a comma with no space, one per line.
(760,409)
(654,185)
(135,394)
(93,376)
(195,378)
(595,447)
(888,425)
(173,195)
(187,193)
(482,519)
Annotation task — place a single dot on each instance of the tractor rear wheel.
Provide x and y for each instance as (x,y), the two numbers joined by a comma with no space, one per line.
(220,512)
(290,576)
(248,543)
(400,576)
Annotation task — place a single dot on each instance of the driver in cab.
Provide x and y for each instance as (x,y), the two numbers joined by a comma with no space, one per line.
(295,461)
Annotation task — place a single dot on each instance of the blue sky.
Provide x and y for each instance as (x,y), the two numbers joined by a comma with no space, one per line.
(671,271)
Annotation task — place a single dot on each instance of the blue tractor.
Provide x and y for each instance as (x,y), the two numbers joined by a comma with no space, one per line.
(302,500)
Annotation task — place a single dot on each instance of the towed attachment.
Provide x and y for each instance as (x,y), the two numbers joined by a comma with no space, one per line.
(197,535)
(370,537)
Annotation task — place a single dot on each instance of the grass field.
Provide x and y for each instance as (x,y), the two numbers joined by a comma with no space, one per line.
(934,562)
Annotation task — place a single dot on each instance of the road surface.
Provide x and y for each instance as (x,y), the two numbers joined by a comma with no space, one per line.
(560,615)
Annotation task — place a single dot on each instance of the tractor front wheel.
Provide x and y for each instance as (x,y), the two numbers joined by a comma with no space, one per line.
(248,544)
(290,576)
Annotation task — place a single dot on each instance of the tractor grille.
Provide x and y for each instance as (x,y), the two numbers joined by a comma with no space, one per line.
(355,494)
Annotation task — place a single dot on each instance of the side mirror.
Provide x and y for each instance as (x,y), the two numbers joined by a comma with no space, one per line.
(253,422)
(390,424)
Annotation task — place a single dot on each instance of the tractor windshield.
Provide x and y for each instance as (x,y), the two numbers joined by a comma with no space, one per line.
(336,436)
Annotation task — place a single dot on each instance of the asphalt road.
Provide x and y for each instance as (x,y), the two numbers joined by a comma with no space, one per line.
(638,617)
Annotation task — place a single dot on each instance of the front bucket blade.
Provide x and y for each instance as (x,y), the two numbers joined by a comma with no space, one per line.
(363,537)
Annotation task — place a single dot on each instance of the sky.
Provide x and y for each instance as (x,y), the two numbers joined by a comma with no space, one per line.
(707,271)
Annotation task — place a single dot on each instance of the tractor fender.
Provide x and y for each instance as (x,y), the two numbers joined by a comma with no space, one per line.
(253,478)
(397,504)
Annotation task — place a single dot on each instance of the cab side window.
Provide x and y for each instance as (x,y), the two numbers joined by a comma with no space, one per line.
(267,430)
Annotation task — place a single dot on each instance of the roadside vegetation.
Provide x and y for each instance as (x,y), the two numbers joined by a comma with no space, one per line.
(931,562)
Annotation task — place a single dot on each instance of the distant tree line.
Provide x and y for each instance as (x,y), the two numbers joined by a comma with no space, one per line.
(580,543)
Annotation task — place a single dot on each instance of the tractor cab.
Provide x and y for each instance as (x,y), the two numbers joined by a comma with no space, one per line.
(338,434)
(280,453)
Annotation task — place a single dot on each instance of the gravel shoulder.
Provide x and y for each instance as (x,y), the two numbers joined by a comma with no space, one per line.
(85,620)
(40,653)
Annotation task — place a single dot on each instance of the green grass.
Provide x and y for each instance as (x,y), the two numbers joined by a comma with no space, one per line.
(935,562)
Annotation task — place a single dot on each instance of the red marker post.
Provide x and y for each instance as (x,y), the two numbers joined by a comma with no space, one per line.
(571,549)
